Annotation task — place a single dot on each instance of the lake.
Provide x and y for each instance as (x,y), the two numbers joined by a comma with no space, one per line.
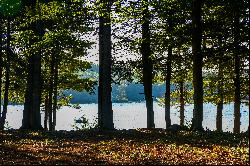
(133,115)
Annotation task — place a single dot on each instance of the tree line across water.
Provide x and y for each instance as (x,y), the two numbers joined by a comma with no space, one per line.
(199,46)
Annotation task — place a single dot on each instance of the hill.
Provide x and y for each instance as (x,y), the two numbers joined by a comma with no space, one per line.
(120,93)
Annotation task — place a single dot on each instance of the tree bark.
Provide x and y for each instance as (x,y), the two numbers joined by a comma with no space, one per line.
(147,66)
(237,100)
(168,88)
(220,103)
(220,89)
(51,87)
(197,65)
(37,92)
(55,94)
(7,80)
(169,72)
(51,92)
(182,104)
(31,114)
(105,112)
(27,118)
(248,60)
(46,110)
(1,65)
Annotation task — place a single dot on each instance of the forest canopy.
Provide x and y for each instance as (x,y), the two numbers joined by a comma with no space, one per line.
(201,48)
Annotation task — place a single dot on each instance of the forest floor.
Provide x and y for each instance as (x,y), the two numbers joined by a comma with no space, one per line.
(141,146)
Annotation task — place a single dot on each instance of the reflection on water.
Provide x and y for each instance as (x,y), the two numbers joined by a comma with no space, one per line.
(133,115)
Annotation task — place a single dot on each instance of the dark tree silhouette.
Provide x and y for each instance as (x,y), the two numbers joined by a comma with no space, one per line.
(197,65)
(105,113)
(168,74)
(1,62)
(31,113)
(147,65)
(236,33)
(7,78)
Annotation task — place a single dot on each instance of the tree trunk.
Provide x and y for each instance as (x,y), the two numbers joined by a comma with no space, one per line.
(237,101)
(51,87)
(220,103)
(7,80)
(248,61)
(168,90)
(219,116)
(169,72)
(46,110)
(220,89)
(105,112)
(55,94)
(147,67)
(182,104)
(37,92)
(27,118)
(1,65)
(197,65)
(31,114)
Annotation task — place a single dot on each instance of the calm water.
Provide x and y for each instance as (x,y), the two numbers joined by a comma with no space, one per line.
(133,115)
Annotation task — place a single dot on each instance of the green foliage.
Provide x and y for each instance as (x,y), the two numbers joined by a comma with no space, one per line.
(64,23)
(7,126)
(83,124)
(59,40)
(10,8)
(63,100)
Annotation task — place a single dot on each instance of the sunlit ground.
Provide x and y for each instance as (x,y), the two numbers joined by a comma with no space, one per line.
(123,147)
